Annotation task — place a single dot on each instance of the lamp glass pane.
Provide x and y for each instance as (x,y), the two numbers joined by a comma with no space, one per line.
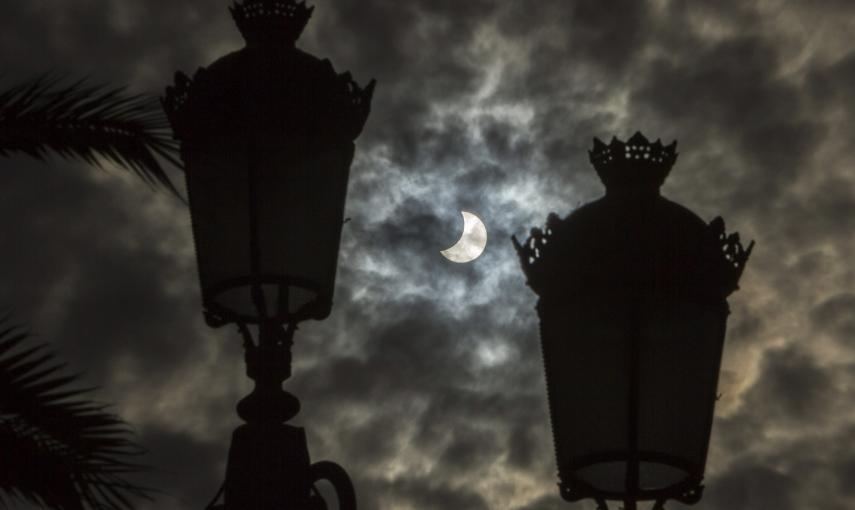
(219,208)
(298,205)
(588,351)
(587,368)
(679,358)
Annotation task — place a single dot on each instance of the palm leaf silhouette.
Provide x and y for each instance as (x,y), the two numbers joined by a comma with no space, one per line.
(56,449)
(81,121)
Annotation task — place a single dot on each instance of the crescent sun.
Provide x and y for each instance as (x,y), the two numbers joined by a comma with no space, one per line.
(472,242)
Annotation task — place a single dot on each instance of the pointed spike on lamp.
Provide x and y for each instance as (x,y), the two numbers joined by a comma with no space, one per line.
(633,307)
(267,139)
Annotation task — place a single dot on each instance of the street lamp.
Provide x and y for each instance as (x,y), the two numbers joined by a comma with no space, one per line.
(267,138)
(633,314)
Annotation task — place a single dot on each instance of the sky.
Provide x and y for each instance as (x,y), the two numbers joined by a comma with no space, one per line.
(426,381)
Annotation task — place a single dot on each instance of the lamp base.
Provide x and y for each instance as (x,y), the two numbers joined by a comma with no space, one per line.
(268,468)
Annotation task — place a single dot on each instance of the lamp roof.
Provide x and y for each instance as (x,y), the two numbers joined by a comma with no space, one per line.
(268,89)
(271,21)
(634,240)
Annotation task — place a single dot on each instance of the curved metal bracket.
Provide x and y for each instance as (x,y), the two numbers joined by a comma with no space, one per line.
(338,477)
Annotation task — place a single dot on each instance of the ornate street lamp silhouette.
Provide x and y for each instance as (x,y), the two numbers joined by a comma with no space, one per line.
(633,314)
(267,138)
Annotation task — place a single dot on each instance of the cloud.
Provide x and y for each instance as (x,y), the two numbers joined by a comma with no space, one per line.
(426,381)
(837,316)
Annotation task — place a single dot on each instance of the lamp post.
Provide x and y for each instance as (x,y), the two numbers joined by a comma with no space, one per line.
(267,138)
(632,305)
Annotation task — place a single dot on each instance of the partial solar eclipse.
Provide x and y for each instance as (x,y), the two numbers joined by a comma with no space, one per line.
(472,242)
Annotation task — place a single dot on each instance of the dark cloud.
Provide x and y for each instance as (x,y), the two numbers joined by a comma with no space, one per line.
(426,381)
(827,85)
(837,316)
(752,485)
(118,274)
(792,389)
(731,91)
(428,493)
(181,467)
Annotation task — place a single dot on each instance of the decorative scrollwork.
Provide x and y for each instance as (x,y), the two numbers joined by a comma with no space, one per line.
(554,252)
(354,101)
(271,20)
(573,490)
(530,252)
(691,495)
(636,163)
(198,107)
(732,255)
(175,101)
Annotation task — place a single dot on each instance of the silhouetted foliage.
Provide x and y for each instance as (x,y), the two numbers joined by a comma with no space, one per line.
(82,121)
(56,448)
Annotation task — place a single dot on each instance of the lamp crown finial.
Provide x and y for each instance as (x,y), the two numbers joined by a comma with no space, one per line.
(634,164)
(261,21)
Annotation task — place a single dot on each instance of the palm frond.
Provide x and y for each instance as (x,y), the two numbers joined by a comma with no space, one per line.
(58,449)
(81,121)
